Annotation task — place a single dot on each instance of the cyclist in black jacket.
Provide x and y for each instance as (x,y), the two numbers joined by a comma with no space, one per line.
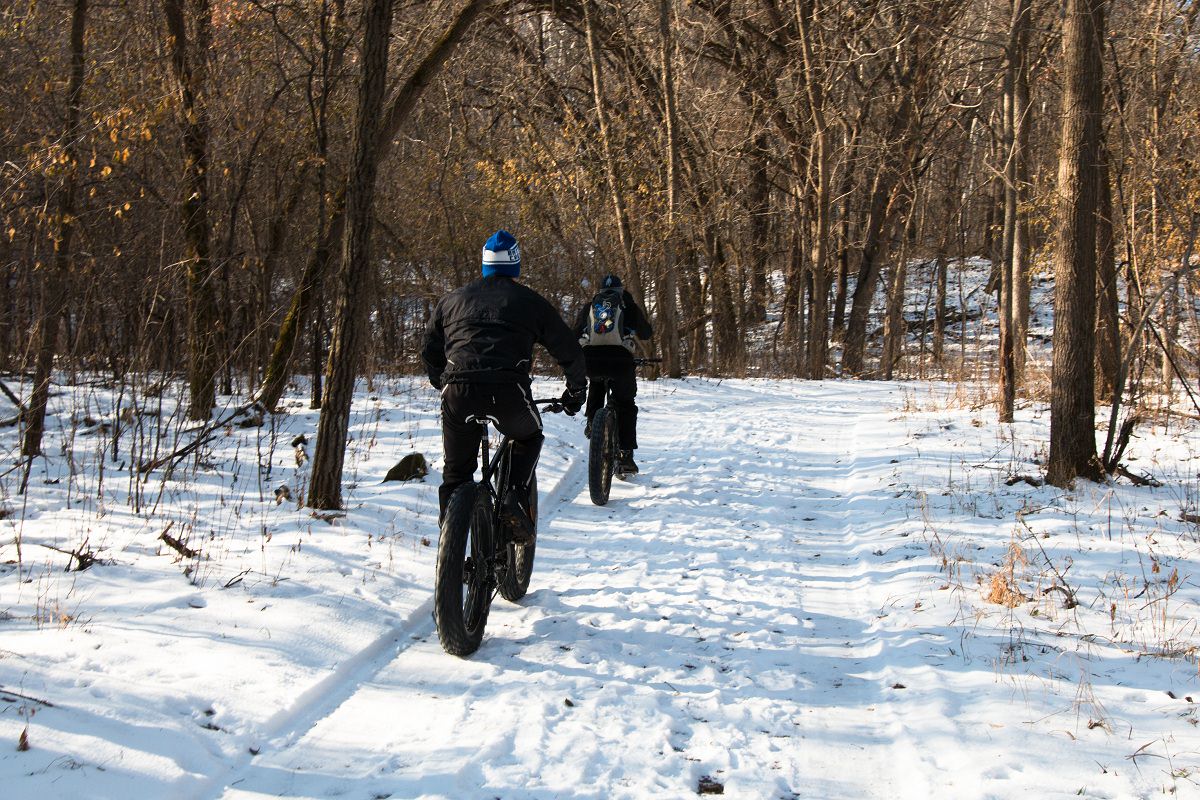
(478,352)
(615,363)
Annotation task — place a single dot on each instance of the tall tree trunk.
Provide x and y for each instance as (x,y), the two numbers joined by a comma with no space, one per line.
(1108,326)
(190,65)
(624,229)
(950,211)
(727,346)
(353,302)
(894,330)
(668,327)
(1072,395)
(691,292)
(316,347)
(1022,236)
(1015,58)
(759,208)
(822,278)
(793,289)
(844,231)
(843,269)
(307,295)
(56,274)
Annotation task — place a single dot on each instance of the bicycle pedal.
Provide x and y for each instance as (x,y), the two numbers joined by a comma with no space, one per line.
(518,530)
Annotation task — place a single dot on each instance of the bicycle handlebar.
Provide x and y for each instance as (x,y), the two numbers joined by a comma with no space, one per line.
(553,405)
(642,361)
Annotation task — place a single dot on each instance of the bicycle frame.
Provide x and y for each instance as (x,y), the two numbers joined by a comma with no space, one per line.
(476,559)
(495,471)
(492,466)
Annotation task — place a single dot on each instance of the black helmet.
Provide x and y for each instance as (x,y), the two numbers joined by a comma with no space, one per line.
(611,282)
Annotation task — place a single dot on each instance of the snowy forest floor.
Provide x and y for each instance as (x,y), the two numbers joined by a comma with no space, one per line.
(796,599)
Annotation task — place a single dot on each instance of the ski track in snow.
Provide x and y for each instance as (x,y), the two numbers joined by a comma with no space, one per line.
(772,604)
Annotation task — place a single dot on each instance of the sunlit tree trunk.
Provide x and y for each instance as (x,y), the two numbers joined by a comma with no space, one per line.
(353,301)
(55,275)
(822,274)
(189,62)
(668,327)
(624,229)
(1108,326)
(1072,396)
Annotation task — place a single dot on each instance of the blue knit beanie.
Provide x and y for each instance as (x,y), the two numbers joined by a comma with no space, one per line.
(502,255)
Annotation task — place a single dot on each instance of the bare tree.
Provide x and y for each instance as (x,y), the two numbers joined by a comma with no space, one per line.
(1072,402)
(352,299)
(56,274)
(668,323)
(1015,140)
(189,62)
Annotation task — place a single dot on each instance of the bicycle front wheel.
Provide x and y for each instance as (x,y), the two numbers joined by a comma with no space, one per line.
(462,593)
(519,567)
(602,454)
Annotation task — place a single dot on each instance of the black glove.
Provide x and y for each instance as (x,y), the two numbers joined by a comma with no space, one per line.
(572,400)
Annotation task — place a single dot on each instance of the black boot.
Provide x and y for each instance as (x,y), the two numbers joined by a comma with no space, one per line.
(515,513)
(625,464)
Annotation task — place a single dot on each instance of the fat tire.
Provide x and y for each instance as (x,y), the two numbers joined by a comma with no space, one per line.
(601,455)
(519,557)
(467,525)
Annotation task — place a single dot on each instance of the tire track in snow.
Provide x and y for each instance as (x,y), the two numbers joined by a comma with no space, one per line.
(322,700)
(671,619)
(325,696)
(876,772)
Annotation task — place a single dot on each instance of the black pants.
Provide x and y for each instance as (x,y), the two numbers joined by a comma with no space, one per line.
(621,384)
(509,407)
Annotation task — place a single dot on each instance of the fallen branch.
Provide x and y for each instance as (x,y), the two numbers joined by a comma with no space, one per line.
(84,557)
(1069,602)
(1030,479)
(5,693)
(176,545)
(1137,480)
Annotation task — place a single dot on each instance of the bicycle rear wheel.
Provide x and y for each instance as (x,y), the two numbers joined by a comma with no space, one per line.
(462,593)
(519,567)
(602,454)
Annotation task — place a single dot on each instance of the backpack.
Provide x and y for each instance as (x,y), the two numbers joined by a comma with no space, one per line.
(606,321)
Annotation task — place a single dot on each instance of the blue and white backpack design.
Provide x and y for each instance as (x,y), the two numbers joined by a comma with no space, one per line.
(606,321)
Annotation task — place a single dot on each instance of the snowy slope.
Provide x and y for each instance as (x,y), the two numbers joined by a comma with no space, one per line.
(790,601)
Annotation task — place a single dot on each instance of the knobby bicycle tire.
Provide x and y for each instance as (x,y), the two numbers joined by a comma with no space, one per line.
(601,455)
(519,567)
(461,603)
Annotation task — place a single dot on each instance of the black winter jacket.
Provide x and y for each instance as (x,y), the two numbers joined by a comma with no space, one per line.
(485,331)
(605,359)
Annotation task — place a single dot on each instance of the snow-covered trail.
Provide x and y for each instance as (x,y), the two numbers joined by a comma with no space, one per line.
(790,601)
(721,617)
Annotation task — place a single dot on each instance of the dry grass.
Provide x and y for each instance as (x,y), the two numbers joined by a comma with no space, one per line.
(1003,589)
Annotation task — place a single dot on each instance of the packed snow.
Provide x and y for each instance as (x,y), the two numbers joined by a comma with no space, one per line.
(813,590)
